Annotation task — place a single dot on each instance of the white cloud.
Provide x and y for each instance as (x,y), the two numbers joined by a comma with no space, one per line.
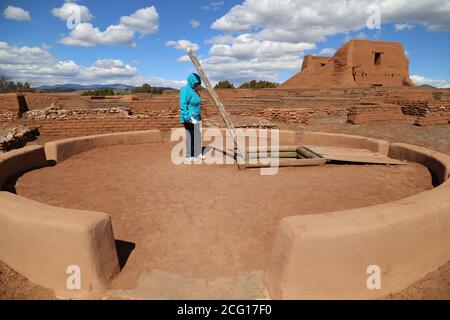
(13,55)
(421,80)
(38,66)
(194,23)
(86,35)
(239,71)
(69,9)
(183,44)
(359,35)
(245,57)
(107,69)
(184,58)
(143,21)
(305,20)
(327,52)
(16,13)
(213,5)
(223,39)
(253,48)
(158,82)
(403,26)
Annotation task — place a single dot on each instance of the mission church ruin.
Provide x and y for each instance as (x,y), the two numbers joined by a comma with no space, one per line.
(358,63)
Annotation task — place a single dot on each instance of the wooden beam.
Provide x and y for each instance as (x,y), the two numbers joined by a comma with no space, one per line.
(272,149)
(306,153)
(284,154)
(291,163)
(352,155)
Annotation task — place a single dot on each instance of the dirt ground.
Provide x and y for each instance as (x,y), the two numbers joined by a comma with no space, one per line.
(201,221)
(15,287)
(435,285)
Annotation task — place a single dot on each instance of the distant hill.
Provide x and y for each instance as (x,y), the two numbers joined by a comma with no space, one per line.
(427,86)
(71,87)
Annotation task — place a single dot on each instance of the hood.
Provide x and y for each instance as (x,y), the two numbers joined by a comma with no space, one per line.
(193,79)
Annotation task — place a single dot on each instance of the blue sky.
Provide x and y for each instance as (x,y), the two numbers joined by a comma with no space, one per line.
(142,41)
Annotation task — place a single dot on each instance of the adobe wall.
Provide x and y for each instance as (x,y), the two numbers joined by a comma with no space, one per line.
(40,242)
(345,140)
(67,101)
(399,96)
(434,118)
(363,114)
(61,150)
(431,107)
(8,102)
(288,115)
(358,63)
(40,100)
(161,112)
(20,160)
(314,62)
(92,126)
(406,239)
(436,162)
(155,105)
(393,67)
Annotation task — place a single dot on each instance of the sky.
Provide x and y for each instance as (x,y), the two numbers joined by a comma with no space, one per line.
(133,42)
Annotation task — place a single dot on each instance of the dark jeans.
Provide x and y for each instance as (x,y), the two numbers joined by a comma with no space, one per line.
(193,139)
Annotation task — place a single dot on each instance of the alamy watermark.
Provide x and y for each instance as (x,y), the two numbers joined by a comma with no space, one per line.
(73,281)
(373,22)
(74,18)
(374,280)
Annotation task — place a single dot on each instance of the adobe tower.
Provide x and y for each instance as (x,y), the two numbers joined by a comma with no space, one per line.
(358,63)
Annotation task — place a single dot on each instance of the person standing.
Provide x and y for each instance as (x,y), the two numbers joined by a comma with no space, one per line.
(190,117)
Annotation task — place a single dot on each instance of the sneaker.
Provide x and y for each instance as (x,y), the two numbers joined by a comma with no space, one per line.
(188,160)
(201,157)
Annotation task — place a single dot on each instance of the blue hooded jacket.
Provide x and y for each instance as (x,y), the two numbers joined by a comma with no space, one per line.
(190,100)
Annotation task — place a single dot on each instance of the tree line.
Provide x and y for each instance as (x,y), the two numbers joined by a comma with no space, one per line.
(145,88)
(98,93)
(225,84)
(7,86)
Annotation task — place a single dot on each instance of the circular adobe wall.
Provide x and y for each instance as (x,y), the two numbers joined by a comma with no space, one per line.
(320,256)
